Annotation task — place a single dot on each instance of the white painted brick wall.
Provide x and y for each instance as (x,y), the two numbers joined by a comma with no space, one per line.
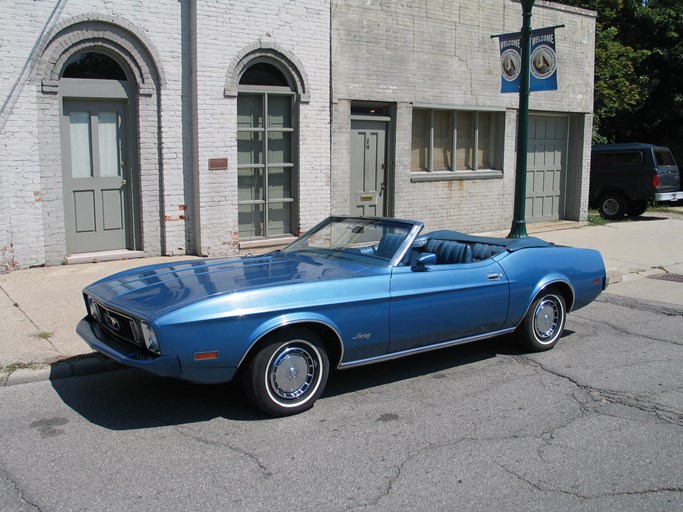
(436,52)
(32,220)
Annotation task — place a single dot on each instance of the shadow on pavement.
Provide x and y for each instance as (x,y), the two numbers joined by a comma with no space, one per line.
(648,218)
(131,399)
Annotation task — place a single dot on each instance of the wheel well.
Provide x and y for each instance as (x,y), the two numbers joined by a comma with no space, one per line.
(327,335)
(563,289)
(598,195)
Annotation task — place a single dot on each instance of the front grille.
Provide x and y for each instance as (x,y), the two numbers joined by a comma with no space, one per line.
(118,324)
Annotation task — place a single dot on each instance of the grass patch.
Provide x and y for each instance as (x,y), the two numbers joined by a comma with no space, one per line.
(13,367)
(44,335)
(595,219)
(664,208)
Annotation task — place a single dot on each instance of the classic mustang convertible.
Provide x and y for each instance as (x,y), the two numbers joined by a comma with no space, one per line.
(352,291)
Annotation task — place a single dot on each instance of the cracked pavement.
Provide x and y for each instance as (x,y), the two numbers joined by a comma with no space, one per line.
(594,424)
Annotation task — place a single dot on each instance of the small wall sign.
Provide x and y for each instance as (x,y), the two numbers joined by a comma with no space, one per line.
(218,164)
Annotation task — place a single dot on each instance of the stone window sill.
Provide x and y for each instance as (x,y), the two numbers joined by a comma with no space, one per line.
(423,176)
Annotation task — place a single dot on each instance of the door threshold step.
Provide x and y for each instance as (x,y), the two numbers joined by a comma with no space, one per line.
(94,257)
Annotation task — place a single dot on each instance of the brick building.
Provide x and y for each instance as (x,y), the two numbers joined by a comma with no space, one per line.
(135,128)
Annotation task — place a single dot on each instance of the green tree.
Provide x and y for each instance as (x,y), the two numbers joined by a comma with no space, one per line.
(638,61)
(618,85)
(658,27)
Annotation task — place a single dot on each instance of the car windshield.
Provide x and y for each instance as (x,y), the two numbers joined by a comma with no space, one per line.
(360,240)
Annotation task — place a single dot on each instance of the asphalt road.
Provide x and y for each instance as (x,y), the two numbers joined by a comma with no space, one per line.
(594,424)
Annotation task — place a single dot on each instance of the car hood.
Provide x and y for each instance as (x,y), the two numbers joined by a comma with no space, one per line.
(156,289)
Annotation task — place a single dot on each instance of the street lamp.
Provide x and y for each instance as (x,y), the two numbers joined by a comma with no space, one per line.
(518,228)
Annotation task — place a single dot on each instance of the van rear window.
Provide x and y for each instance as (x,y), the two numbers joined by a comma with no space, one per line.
(664,158)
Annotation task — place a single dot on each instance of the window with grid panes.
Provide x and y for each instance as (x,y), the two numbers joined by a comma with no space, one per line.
(456,140)
(265,166)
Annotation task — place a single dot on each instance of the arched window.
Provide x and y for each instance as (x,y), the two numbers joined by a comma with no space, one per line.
(266,167)
(94,66)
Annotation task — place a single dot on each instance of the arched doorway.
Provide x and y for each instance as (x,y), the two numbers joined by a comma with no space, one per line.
(101,210)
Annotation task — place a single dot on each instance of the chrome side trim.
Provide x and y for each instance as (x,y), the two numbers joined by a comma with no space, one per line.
(428,348)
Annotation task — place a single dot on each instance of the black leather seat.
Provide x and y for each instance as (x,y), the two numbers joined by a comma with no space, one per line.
(484,251)
(389,244)
(448,252)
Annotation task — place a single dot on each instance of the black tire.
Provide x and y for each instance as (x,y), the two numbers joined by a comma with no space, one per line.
(544,323)
(612,206)
(288,373)
(637,208)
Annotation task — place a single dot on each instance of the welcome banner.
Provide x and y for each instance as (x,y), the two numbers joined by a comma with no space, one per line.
(542,65)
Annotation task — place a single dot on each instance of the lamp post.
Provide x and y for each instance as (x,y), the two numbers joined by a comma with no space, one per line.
(518,228)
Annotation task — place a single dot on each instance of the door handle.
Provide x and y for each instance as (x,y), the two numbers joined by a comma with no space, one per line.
(493,276)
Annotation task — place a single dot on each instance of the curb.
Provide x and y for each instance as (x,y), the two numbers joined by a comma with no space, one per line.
(614,276)
(80,366)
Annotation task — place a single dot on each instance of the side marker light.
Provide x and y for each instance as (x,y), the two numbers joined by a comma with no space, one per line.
(204,356)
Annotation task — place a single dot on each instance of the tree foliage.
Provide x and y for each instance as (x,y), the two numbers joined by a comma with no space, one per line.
(638,63)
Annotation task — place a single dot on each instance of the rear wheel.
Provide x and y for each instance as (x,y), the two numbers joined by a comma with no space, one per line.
(544,323)
(612,206)
(287,374)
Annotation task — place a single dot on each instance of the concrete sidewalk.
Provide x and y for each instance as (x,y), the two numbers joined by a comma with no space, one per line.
(39,308)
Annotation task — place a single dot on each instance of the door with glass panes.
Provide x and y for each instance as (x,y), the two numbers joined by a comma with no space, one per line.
(96,176)
(266,166)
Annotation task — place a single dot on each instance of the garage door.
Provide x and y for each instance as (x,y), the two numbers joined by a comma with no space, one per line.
(546,167)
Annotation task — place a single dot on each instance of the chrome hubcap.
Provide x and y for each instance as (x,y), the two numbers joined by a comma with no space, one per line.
(292,373)
(610,207)
(546,320)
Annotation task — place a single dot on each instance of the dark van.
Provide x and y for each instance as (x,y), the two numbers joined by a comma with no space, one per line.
(625,178)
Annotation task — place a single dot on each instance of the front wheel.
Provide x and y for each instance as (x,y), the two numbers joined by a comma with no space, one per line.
(287,374)
(544,322)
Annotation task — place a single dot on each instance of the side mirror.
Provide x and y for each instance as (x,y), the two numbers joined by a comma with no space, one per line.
(423,261)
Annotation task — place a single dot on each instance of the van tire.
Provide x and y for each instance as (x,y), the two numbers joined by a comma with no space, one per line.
(612,206)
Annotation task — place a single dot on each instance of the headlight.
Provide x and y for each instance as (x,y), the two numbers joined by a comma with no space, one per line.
(150,338)
(93,309)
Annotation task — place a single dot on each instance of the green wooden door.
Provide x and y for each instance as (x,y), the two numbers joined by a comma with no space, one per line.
(96,176)
(368,163)
(546,167)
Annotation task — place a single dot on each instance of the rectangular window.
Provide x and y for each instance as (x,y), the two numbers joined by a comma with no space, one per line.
(79,132)
(108,135)
(265,164)
(443,140)
(420,141)
(664,158)
(456,140)
(631,159)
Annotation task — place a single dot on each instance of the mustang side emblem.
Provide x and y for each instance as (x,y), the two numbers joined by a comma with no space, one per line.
(112,322)
(362,336)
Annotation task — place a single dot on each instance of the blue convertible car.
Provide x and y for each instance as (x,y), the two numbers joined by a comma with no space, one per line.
(350,292)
